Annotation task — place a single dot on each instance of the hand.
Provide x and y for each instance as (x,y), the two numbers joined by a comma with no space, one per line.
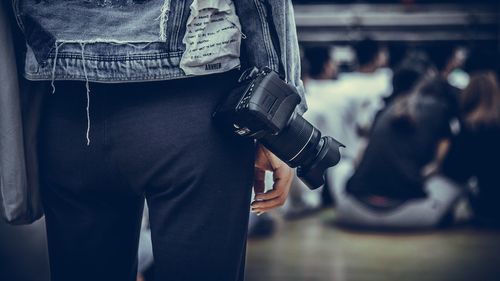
(282,176)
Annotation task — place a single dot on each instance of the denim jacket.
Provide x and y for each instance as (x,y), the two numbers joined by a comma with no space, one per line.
(112,42)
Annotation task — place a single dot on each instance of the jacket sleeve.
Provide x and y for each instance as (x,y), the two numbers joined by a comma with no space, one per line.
(284,21)
(19,197)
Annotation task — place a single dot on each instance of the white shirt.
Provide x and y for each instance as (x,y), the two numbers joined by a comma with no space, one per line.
(339,107)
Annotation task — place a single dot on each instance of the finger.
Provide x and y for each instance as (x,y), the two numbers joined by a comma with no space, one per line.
(268,204)
(258,213)
(282,180)
(259,181)
(268,209)
(269,195)
(279,189)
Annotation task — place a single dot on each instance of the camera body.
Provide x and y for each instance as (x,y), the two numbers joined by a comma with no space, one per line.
(263,107)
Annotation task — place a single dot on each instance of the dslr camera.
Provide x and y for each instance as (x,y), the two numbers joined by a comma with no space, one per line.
(262,107)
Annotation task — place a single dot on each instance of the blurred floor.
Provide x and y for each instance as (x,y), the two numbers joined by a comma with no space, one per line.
(313,249)
(23,252)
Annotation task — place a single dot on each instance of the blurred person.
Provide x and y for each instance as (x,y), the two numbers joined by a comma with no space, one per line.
(320,64)
(153,140)
(348,106)
(368,85)
(411,70)
(475,151)
(392,186)
(320,72)
(340,106)
(414,68)
(370,55)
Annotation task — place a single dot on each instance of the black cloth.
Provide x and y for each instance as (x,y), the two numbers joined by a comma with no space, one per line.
(153,140)
(476,153)
(393,160)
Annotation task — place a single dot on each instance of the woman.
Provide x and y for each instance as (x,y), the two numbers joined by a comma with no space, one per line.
(119,125)
(475,151)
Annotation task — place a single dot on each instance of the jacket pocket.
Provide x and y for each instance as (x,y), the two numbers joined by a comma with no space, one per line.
(212,39)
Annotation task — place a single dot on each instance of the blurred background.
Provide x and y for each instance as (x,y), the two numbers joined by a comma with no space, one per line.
(411,88)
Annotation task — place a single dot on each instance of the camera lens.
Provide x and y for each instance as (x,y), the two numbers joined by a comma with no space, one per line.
(329,155)
(300,145)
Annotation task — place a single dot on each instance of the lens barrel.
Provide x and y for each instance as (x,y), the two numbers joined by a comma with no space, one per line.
(300,145)
(329,156)
(295,143)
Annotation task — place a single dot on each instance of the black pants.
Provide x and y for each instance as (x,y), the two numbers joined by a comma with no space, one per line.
(153,140)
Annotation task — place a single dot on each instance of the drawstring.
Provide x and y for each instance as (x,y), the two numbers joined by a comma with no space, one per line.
(54,66)
(87,86)
(58,45)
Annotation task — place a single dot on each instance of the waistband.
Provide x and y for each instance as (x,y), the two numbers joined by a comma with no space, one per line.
(81,61)
(224,81)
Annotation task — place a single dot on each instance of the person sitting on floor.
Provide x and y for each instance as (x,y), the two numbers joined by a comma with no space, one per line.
(475,151)
(389,188)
